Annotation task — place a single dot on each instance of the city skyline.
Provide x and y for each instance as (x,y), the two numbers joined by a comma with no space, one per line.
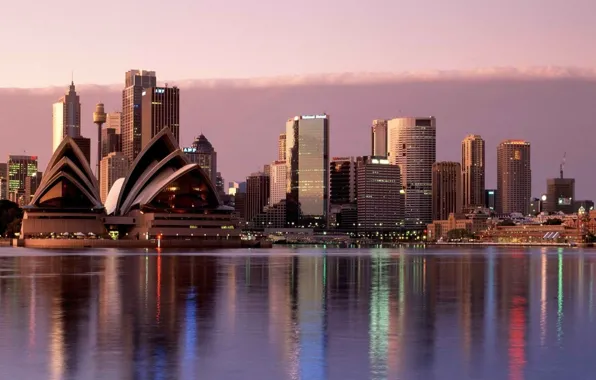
(232,170)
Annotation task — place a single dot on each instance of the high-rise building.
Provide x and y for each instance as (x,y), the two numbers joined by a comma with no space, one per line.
(281,147)
(31,185)
(257,195)
(379,138)
(66,117)
(514,177)
(277,182)
(113,166)
(160,109)
(560,195)
(233,188)
(491,199)
(85,146)
(446,184)
(202,152)
(114,121)
(3,181)
(473,169)
(136,81)
(267,169)
(380,206)
(19,168)
(412,146)
(342,180)
(307,160)
(110,141)
(219,184)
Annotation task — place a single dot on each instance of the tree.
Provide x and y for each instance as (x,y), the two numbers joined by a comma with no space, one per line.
(506,223)
(9,211)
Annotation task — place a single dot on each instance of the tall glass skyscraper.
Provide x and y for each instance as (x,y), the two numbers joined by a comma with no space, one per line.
(412,145)
(472,166)
(307,160)
(66,117)
(132,95)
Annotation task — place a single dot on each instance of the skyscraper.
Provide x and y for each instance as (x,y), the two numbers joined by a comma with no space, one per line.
(3,181)
(85,144)
(560,195)
(19,168)
(66,117)
(31,184)
(412,146)
(514,177)
(447,184)
(472,165)
(135,83)
(379,138)
(281,147)
(257,195)
(160,109)
(277,182)
(307,159)
(202,152)
(110,141)
(342,180)
(114,121)
(379,203)
(114,166)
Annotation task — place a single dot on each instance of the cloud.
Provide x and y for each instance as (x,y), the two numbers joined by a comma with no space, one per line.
(357,78)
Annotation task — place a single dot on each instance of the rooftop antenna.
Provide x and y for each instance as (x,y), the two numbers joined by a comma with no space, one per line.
(562,166)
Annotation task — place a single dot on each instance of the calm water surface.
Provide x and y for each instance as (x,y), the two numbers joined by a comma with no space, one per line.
(298,314)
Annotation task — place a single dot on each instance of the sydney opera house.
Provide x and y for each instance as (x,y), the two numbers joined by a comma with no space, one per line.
(163,196)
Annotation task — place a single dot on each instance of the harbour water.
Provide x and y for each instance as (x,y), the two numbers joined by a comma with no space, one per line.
(299,313)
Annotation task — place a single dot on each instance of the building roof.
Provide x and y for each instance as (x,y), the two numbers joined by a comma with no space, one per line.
(160,164)
(69,182)
(202,145)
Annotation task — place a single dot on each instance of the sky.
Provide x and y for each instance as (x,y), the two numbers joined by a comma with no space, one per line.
(190,39)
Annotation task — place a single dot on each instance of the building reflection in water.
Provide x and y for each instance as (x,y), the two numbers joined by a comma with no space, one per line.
(383,314)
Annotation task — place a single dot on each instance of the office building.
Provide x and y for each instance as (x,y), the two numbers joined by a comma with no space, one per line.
(19,168)
(201,152)
(281,147)
(113,167)
(31,185)
(473,171)
(114,121)
(307,160)
(379,138)
(342,180)
(560,195)
(257,195)
(412,146)
(278,181)
(85,146)
(536,206)
(3,181)
(267,169)
(379,204)
(66,117)
(110,141)
(160,109)
(136,81)
(514,177)
(491,199)
(446,189)
(219,184)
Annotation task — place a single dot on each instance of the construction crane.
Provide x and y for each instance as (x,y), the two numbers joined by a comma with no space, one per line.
(562,166)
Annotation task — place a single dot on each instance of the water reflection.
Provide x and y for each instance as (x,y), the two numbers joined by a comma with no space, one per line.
(381,314)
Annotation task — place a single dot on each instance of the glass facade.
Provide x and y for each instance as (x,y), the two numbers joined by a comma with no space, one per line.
(307,152)
(19,168)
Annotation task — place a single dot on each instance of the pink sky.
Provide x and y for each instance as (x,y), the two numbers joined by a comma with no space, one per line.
(186,39)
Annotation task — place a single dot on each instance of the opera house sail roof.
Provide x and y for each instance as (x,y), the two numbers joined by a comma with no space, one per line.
(69,183)
(162,179)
